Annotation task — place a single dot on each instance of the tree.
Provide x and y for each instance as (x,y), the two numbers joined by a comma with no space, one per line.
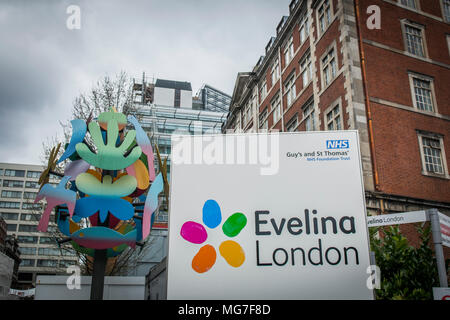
(407,273)
(107,93)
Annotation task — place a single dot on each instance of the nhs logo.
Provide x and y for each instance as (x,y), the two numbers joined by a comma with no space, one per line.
(337,144)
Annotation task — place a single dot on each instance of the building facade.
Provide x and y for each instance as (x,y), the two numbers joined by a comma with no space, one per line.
(39,251)
(171,108)
(331,67)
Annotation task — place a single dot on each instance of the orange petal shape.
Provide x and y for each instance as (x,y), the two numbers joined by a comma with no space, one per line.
(204,259)
(232,252)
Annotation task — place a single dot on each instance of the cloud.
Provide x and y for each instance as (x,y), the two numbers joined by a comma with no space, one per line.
(44,66)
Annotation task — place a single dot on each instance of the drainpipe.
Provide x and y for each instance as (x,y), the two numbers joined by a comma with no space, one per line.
(281,89)
(366,96)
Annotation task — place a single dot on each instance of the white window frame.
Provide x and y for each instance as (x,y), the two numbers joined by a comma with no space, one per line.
(292,124)
(336,104)
(304,28)
(275,71)
(329,66)
(309,114)
(275,106)
(429,135)
(307,70)
(263,119)
(289,51)
(422,77)
(444,17)
(263,91)
(290,90)
(327,19)
(420,27)
(416,4)
(448,43)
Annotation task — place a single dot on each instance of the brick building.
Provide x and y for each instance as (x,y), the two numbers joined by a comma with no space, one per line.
(327,68)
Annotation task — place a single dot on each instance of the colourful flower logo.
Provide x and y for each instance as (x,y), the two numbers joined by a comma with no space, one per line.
(196,233)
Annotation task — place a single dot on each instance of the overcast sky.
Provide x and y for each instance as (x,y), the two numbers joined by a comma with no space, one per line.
(44,65)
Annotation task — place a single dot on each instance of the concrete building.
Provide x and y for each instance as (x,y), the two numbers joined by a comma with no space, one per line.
(164,107)
(329,68)
(40,253)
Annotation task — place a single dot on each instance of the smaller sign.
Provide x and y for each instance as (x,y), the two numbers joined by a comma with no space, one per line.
(445,229)
(396,218)
(441,293)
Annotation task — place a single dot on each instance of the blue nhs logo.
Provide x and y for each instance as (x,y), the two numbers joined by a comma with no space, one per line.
(337,144)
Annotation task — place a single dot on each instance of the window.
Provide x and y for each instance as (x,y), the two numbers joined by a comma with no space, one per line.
(292,124)
(47,263)
(414,39)
(28,227)
(329,67)
(289,89)
(289,51)
(1,172)
(324,15)
(31,206)
(306,69)
(27,262)
(14,173)
(9,216)
(29,195)
(275,72)
(12,184)
(33,174)
(11,194)
(9,205)
(248,112)
(49,252)
(304,28)
(308,116)
(433,155)
(11,227)
(47,240)
(422,92)
(66,263)
(409,3)
(446,10)
(27,239)
(333,119)
(28,250)
(31,185)
(263,122)
(263,92)
(276,109)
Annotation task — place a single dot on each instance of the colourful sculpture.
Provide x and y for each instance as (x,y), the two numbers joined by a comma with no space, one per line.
(105,207)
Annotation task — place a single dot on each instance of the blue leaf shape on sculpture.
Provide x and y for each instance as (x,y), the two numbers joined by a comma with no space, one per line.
(63,223)
(120,208)
(138,222)
(79,129)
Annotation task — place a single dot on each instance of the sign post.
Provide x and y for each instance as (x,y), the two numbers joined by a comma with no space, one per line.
(438,251)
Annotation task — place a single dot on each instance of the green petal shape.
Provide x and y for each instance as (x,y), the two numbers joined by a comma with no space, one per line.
(90,185)
(234,224)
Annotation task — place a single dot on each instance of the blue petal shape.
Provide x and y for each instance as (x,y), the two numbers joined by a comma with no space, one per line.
(79,129)
(88,206)
(212,216)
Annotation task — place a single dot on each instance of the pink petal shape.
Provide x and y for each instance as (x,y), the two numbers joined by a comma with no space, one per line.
(193,232)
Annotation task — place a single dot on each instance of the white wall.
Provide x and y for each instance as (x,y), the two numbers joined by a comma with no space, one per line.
(186,99)
(116,288)
(166,97)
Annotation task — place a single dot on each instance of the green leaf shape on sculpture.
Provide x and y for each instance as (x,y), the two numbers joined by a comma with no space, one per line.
(105,117)
(109,157)
(90,185)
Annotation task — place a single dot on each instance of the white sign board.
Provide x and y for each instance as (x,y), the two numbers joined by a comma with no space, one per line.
(396,218)
(441,293)
(301,199)
(445,229)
